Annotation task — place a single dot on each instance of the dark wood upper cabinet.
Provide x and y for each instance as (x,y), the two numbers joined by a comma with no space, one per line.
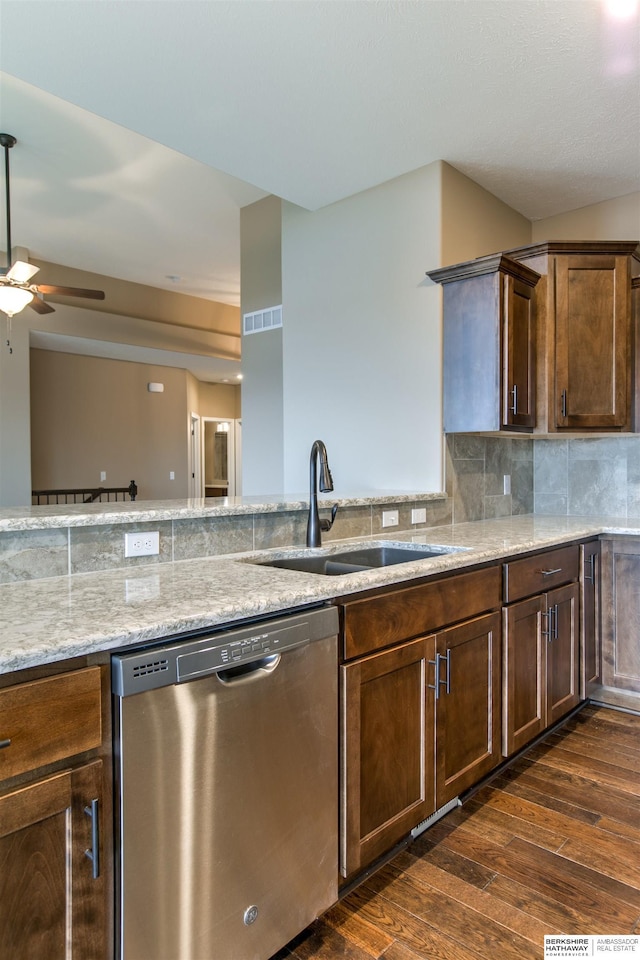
(549,350)
(585,343)
(489,345)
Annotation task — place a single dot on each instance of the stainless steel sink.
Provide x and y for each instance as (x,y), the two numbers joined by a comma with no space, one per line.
(362,558)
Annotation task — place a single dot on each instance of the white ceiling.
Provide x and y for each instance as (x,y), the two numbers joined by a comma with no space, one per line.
(145,125)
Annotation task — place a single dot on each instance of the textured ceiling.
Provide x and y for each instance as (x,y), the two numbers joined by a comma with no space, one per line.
(144,126)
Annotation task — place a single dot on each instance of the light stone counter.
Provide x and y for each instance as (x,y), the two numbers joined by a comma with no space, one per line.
(47,620)
(154,511)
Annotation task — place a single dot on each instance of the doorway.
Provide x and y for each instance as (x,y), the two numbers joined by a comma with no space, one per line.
(218,457)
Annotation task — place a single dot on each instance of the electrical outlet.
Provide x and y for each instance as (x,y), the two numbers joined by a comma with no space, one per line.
(142,544)
(419,515)
(390,518)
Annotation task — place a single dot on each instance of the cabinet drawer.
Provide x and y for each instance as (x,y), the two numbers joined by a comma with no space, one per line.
(531,575)
(377,622)
(48,720)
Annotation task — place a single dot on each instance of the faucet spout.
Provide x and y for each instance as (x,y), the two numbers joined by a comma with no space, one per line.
(314,524)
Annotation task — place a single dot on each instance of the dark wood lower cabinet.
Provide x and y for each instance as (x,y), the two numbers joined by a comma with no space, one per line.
(407,747)
(468,705)
(51,905)
(621,615)
(387,750)
(541,656)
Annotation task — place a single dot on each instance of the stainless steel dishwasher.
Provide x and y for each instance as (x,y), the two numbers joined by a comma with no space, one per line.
(226,789)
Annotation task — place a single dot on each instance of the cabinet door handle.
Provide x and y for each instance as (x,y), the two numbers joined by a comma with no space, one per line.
(563,403)
(93,853)
(446,683)
(551,633)
(514,404)
(547,573)
(5,743)
(590,577)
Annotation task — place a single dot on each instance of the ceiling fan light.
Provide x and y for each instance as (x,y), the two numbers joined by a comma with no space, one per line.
(21,272)
(14,299)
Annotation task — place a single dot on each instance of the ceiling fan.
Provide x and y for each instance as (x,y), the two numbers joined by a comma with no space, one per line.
(16,291)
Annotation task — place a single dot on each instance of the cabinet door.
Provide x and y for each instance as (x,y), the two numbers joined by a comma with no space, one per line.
(519,338)
(563,678)
(387,751)
(621,614)
(524,673)
(593,327)
(467,705)
(50,903)
(590,659)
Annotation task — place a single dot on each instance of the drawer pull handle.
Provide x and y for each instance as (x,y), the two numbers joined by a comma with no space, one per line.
(547,573)
(93,853)
(5,743)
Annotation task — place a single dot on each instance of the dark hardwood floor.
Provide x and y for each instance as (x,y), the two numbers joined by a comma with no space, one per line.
(551,846)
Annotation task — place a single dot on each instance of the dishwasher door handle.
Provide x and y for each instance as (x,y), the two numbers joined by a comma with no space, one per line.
(249,672)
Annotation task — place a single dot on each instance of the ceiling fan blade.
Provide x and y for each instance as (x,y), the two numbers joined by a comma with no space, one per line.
(22,272)
(70,292)
(40,306)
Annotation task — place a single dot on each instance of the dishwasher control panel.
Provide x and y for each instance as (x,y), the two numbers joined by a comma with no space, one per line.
(199,663)
(185,659)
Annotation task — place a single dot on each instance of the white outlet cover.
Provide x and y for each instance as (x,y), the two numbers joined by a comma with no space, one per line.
(390,518)
(142,544)
(419,515)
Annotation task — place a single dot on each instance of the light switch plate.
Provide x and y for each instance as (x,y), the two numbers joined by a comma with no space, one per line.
(419,515)
(390,518)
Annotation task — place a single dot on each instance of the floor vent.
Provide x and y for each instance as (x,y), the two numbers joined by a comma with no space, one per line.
(261,320)
(425,824)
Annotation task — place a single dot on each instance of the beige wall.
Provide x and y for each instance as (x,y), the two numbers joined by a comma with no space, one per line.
(617,219)
(474,223)
(91,414)
(219,400)
(138,300)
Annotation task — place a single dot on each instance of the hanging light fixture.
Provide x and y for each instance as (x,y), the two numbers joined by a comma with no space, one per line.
(16,291)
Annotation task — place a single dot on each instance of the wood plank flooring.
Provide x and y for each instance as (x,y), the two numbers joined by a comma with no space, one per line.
(550,846)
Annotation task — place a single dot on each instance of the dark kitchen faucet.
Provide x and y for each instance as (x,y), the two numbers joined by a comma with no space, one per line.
(315,525)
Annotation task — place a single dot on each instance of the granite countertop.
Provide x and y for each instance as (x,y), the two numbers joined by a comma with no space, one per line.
(90,514)
(43,621)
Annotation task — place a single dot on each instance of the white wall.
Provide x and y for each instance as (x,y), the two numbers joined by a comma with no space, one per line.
(261,287)
(362,337)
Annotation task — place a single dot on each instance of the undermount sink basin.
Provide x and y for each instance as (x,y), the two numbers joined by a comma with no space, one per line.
(361,558)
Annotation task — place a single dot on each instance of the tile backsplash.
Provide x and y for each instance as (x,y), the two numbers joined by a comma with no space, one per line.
(33,554)
(476,466)
(584,476)
(557,476)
